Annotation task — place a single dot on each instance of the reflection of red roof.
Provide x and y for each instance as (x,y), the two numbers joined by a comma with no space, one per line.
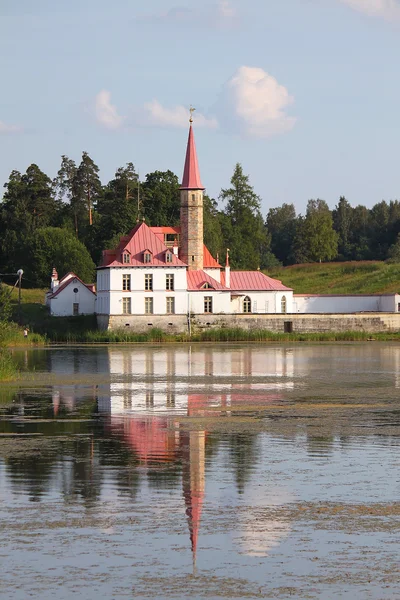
(191,174)
(197,279)
(150,437)
(140,239)
(89,286)
(254,281)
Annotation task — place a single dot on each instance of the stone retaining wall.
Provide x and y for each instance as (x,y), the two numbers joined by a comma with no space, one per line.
(296,323)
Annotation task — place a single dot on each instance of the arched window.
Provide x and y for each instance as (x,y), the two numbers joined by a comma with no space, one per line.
(283,305)
(247,305)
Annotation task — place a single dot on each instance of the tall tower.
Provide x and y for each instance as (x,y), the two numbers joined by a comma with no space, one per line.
(191,208)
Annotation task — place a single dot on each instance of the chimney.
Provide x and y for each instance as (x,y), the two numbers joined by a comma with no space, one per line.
(175,247)
(227,270)
(54,280)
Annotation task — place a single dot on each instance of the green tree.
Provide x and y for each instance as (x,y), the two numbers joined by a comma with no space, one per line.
(360,234)
(161,198)
(315,238)
(117,208)
(28,204)
(342,222)
(55,247)
(86,190)
(64,189)
(322,239)
(281,225)
(394,251)
(244,229)
(213,237)
(5,303)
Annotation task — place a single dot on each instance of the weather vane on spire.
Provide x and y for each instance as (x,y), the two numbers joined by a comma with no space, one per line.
(191,110)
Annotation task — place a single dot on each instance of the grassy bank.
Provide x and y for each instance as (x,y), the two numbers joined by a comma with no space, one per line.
(363,277)
(12,335)
(215,335)
(8,368)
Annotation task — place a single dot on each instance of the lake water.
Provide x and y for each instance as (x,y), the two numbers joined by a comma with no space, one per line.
(196,471)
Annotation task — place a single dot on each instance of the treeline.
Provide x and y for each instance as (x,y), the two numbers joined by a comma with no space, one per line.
(67,222)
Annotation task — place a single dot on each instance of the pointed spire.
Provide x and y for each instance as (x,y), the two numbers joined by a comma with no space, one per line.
(191,174)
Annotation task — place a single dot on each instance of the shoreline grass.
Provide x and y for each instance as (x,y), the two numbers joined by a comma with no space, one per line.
(223,335)
(8,367)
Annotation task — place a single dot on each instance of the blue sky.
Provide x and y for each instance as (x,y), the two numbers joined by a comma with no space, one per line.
(304,93)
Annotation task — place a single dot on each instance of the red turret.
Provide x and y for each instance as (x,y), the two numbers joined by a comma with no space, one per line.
(191,174)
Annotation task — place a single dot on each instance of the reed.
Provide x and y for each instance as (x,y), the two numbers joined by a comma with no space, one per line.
(223,335)
(8,368)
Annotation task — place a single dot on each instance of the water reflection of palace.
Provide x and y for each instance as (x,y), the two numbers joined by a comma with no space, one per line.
(173,379)
(145,422)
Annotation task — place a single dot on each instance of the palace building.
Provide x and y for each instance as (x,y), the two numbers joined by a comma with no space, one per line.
(165,271)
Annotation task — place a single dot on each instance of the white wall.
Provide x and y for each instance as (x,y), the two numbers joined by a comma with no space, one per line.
(263,302)
(214,273)
(110,292)
(345,304)
(62,304)
(221,301)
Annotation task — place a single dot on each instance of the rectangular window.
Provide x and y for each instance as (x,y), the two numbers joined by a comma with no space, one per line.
(126,283)
(147,257)
(148,306)
(75,309)
(170,306)
(148,282)
(168,257)
(208,304)
(126,258)
(126,306)
(169,282)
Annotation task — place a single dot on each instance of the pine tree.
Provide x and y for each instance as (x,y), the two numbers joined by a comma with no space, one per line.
(117,208)
(243,227)
(342,221)
(86,189)
(161,198)
(320,237)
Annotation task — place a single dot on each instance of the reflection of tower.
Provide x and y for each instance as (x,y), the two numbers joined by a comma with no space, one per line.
(193,479)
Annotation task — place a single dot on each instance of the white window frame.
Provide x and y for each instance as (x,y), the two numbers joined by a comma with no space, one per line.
(170,305)
(148,306)
(208,305)
(126,305)
(148,282)
(170,282)
(126,282)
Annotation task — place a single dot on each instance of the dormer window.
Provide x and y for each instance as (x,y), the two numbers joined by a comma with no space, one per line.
(206,286)
(147,256)
(168,257)
(126,257)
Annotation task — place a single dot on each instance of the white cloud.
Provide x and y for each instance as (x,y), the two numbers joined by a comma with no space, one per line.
(106,113)
(226,10)
(220,14)
(5,128)
(253,101)
(157,115)
(388,9)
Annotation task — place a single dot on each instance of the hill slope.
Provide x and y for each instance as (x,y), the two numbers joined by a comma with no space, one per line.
(341,278)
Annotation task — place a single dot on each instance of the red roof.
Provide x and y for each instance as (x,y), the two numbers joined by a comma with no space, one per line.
(254,281)
(191,174)
(90,286)
(209,261)
(140,239)
(197,279)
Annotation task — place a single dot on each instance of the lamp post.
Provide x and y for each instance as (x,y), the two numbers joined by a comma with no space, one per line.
(19,273)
